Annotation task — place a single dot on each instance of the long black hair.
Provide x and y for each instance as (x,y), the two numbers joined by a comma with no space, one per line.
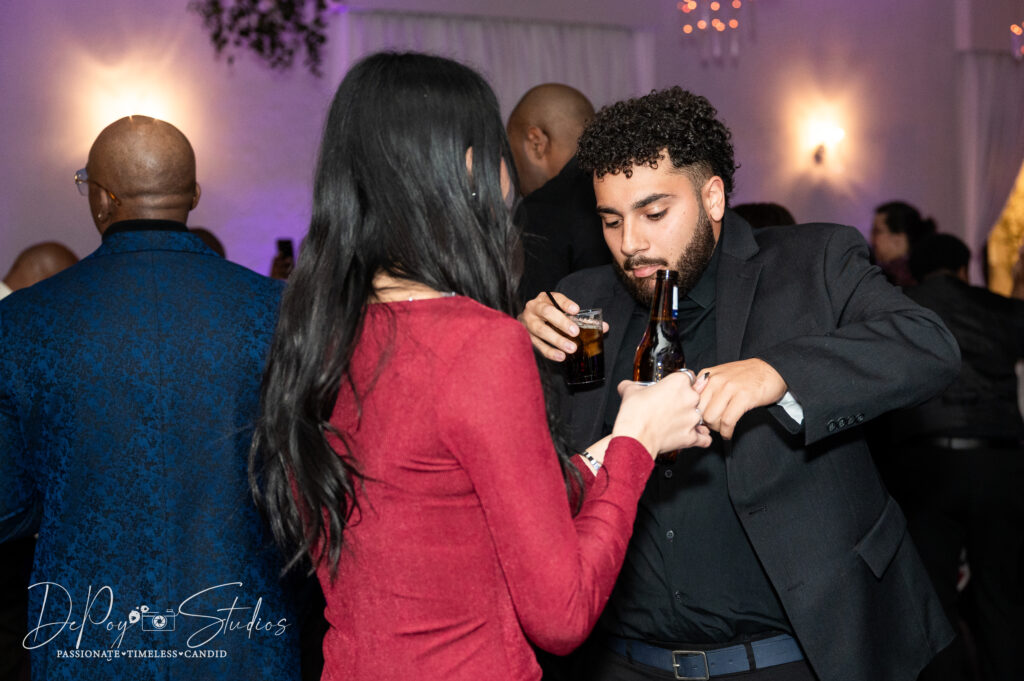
(392,194)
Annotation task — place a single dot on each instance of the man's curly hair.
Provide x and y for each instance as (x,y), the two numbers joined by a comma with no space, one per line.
(635,131)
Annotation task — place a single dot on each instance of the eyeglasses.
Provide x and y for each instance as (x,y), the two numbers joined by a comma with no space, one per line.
(82,182)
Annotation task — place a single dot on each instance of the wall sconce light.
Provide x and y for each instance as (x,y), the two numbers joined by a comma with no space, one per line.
(139,86)
(822,135)
(826,136)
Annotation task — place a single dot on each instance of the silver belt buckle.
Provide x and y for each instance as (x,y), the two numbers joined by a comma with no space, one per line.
(675,665)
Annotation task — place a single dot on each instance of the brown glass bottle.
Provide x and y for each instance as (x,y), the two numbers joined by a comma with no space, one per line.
(661,350)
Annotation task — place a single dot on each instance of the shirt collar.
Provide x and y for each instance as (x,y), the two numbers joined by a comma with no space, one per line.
(144,226)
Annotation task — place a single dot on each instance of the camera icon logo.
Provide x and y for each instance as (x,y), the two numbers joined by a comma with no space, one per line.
(156,621)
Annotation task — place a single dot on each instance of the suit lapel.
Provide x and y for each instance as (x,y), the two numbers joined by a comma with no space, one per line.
(737,282)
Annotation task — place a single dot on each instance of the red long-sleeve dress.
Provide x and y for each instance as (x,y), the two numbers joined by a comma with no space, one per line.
(464,546)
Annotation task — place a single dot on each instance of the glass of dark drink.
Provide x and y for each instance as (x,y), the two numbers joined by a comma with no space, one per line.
(586,365)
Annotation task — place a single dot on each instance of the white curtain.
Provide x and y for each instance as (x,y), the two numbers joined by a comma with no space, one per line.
(992,140)
(605,63)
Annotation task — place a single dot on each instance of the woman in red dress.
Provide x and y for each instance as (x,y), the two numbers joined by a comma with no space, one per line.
(404,443)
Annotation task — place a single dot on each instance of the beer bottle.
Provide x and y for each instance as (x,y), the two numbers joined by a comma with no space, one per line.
(661,350)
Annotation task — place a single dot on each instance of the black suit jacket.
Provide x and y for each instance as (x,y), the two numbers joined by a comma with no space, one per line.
(850,346)
(982,402)
(561,231)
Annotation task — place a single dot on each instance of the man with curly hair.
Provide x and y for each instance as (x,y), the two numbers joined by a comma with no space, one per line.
(777,553)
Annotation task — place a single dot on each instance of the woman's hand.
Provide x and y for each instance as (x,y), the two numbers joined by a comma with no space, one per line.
(664,416)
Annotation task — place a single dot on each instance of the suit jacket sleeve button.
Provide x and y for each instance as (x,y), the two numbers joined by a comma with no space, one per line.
(831,426)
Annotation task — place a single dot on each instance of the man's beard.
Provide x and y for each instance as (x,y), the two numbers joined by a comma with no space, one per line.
(690,265)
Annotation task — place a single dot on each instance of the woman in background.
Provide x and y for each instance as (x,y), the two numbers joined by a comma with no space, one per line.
(895,228)
(403,444)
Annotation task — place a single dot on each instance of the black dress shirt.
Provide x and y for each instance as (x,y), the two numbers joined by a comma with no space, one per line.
(690,575)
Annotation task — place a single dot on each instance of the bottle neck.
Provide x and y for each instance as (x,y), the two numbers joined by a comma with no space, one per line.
(665,305)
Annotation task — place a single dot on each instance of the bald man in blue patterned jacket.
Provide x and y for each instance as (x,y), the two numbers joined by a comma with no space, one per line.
(128,387)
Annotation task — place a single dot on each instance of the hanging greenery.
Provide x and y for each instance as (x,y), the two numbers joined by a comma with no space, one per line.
(273,29)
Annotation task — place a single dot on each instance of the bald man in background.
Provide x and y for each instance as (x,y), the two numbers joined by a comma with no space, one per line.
(561,229)
(128,387)
(36,263)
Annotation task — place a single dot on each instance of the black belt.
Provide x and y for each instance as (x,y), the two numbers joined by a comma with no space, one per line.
(700,665)
(968,443)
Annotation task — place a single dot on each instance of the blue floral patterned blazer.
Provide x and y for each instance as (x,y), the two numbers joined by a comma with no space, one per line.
(128,388)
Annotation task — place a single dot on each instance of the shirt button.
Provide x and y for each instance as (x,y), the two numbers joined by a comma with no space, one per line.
(679,596)
(670,534)
(668,472)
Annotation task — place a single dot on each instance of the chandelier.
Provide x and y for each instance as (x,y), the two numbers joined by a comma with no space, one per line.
(717,25)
